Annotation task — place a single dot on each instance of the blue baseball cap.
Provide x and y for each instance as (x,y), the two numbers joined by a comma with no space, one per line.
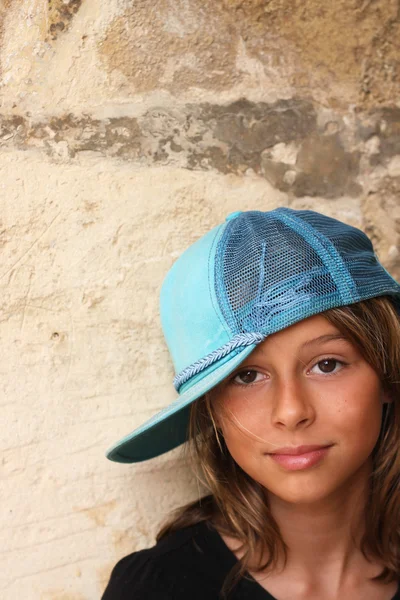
(253,275)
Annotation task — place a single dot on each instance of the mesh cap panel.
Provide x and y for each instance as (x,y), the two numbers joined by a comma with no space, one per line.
(370,279)
(265,269)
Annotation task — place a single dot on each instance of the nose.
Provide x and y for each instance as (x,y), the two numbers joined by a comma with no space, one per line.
(292,407)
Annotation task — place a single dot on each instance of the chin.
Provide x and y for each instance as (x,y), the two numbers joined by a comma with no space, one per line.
(302,492)
(300,498)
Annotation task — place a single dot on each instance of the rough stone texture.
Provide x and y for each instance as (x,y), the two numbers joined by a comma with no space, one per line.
(128,128)
(60,14)
(351,46)
(298,148)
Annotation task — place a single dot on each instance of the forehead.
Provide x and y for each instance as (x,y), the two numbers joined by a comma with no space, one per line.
(315,330)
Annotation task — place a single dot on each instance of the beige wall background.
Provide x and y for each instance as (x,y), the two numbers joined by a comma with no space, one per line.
(128,128)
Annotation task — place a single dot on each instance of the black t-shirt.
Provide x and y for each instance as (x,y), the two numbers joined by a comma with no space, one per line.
(190,564)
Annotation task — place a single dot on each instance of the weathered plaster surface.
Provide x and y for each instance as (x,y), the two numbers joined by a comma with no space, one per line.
(298,147)
(60,55)
(310,43)
(127,130)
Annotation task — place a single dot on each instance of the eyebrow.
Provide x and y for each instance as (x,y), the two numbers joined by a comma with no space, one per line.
(322,339)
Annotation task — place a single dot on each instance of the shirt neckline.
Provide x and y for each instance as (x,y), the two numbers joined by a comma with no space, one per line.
(247,585)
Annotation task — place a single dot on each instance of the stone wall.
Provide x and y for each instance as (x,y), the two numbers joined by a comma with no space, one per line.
(127,129)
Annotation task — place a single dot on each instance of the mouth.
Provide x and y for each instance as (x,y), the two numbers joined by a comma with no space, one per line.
(299,457)
(297,450)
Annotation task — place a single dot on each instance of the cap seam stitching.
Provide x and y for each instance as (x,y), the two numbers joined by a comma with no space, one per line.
(298,225)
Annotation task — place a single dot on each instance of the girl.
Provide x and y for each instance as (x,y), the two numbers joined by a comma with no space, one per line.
(285,335)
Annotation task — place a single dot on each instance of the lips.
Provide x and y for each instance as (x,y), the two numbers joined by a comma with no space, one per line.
(296,450)
(299,457)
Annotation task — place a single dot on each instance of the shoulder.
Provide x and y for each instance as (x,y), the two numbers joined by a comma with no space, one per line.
(180,564)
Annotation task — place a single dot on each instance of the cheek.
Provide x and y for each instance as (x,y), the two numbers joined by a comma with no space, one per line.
(246,430)
(355,412)
(247,417)
(245,450)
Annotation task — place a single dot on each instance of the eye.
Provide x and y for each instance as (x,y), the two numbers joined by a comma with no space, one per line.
(247,376)
(327,366)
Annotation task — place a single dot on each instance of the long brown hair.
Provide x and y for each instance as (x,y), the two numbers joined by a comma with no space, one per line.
(237,504)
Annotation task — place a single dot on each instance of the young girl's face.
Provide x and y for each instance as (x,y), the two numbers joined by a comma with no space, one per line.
(303,412)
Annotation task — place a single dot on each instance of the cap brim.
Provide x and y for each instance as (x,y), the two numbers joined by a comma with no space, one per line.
(169,428)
